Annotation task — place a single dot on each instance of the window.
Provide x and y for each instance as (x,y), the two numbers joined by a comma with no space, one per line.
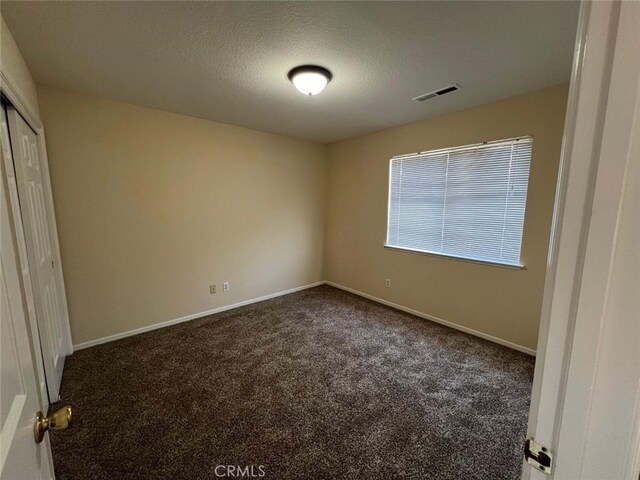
(465,202)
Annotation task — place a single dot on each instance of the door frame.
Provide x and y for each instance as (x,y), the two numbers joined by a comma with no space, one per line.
(574,359)
(13,94)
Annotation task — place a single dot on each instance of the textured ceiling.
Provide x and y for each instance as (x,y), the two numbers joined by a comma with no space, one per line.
(228,61)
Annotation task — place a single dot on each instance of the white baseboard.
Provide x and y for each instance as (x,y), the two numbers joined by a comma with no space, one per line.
(193,316)
(491,338)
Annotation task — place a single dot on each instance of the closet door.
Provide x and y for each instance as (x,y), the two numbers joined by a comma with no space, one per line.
(47,288)
(20,456)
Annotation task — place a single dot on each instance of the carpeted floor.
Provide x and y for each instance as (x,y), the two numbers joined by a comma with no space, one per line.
(319,384)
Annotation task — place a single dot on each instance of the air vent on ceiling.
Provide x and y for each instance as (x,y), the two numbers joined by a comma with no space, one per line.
(437,93)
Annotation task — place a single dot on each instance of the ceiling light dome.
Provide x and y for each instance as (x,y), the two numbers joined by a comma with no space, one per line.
(310,79)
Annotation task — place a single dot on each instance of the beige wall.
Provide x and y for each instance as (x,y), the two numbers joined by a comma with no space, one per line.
(153,207)
(496,301)
(13,65)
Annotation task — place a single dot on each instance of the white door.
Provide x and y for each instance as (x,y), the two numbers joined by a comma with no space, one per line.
(20,456)
(585,405)
(38,229)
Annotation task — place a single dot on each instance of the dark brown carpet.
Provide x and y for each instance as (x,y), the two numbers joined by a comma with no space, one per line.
(319,384)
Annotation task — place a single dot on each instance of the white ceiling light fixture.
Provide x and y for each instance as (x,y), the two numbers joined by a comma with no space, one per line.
(310,79)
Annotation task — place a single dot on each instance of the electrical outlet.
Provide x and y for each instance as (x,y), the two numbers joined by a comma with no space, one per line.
(387,282)
(225,286)
(212,289)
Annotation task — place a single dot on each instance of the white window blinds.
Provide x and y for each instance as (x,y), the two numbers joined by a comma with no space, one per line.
(465,202)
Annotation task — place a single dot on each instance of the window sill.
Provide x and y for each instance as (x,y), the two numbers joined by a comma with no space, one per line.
(459,259)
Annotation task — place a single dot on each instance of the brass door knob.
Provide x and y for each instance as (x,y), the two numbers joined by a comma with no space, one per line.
(58,420)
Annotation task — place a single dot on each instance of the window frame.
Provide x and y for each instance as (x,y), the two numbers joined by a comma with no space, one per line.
(510,266)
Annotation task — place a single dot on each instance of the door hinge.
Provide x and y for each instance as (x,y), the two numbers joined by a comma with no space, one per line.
(538,456)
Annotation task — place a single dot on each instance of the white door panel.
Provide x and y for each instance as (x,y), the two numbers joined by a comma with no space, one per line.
(40,252)
(586,393)
(20,457)
(12,191)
